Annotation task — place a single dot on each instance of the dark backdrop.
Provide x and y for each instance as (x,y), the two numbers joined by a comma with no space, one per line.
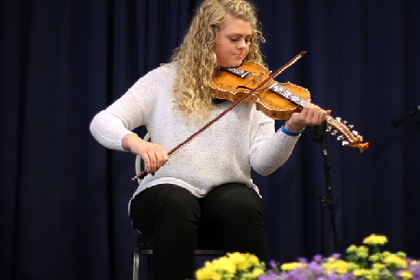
(64,197)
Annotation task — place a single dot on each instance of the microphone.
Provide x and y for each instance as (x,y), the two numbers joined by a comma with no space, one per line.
(319,132)
(397,121)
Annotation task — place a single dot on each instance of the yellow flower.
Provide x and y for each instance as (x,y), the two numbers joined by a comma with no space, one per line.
(378,265)
(290,266)
(257,272)
(373,273)
(397,261)
(207,273)
(406,275)
(243,261)
(375,258)
(352,266)
(358,272)
(228,266)
(362,252)
(224,264)
(216,269)
(339,266)
(374,239)
(352,249)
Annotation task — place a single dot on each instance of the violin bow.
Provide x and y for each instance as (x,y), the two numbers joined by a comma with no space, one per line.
(236,103)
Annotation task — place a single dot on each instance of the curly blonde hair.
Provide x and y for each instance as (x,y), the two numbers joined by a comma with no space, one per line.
(196,59)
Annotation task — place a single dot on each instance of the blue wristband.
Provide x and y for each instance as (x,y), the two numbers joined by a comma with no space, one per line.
(285,131)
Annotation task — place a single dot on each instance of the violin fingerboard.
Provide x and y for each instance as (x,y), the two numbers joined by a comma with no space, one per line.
(287,94)
(236,71)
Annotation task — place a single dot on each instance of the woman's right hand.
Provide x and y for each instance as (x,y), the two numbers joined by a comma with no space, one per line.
(153,155)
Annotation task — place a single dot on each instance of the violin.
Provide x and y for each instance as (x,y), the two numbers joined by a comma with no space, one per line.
(252,82)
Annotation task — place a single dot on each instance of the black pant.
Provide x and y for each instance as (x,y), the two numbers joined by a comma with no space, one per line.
(233,212)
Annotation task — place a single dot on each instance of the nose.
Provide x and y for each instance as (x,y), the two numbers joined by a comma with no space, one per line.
(241,44)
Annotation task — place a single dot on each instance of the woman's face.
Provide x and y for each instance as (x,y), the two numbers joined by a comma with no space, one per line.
(233,44)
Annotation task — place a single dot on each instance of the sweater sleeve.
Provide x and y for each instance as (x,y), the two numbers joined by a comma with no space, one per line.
(110,126)
(270,150)
(109,130)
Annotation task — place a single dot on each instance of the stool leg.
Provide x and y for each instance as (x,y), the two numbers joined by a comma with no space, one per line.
(150,267)
(135,264)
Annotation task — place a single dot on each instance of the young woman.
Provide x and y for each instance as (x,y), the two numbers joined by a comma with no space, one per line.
(206,186)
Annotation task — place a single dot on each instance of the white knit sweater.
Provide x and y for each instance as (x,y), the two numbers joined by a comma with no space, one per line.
(223,153)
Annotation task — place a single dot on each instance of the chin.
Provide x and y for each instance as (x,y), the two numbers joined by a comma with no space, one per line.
(235,64)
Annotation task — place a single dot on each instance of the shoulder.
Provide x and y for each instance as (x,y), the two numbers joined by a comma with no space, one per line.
(163,71)
(161,77)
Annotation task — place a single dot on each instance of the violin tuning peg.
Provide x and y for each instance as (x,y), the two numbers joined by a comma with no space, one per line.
(344,122)
(344,143)
(334,132)
(328,129)
(339,138)
(338,119)
(355,133)
(350,126)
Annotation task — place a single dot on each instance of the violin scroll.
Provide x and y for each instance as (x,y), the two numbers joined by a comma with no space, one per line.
(348,138)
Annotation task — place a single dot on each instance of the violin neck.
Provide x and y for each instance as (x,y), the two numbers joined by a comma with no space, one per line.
(287,94)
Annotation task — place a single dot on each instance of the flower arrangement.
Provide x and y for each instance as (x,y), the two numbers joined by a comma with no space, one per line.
(361,262)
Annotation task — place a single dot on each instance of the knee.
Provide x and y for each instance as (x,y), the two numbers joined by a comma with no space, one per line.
(178,203)
(247,210)
(244,203)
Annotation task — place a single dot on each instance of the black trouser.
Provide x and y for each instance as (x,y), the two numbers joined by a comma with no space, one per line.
(233,212)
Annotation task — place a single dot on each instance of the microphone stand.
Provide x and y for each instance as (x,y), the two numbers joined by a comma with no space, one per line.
(328,198)
(411,114)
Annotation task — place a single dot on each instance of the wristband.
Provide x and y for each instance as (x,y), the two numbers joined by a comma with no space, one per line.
(285,131)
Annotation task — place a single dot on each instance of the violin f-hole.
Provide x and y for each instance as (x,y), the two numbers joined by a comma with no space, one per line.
(244,87)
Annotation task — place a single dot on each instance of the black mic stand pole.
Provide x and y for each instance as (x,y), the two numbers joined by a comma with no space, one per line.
(326,199)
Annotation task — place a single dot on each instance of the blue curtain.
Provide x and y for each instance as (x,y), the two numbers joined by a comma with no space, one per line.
(63,197)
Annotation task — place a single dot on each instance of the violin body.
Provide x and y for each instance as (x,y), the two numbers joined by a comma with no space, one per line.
(233,87)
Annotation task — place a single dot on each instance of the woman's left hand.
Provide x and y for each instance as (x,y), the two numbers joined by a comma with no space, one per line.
(311,115)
